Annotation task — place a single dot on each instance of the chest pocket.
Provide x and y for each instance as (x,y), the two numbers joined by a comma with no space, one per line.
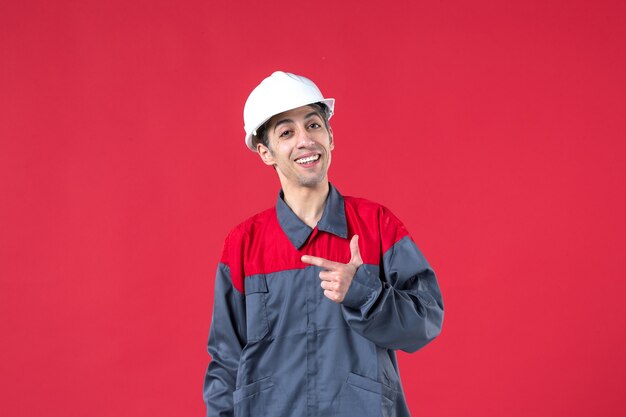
(256,309)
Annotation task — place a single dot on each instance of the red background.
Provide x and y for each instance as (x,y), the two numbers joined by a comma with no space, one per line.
(494,130)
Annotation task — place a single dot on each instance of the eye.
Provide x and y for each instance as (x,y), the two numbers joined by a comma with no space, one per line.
(315,125)
(284,133)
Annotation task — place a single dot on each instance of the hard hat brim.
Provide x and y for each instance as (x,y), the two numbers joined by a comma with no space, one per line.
(329,102)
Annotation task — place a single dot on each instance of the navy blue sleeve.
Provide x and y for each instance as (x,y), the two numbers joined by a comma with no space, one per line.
(399,307)
(226,341)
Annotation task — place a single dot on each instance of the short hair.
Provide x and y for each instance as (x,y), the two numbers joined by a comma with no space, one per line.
(261,133)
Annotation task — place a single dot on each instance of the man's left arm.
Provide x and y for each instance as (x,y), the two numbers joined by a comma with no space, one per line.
(402,311)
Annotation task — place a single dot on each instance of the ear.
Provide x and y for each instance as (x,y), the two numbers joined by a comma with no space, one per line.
(266,154)
(331,143)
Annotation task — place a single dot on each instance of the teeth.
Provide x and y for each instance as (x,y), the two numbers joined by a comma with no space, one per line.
(308,159)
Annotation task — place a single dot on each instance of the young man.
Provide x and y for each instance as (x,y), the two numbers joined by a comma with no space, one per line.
(313,296)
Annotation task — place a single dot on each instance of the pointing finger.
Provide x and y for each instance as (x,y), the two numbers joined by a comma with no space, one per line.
(321,262)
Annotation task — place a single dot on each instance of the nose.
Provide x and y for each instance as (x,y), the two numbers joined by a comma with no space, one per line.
(304,139)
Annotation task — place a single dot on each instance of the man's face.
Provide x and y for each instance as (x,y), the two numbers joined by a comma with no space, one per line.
(299,147)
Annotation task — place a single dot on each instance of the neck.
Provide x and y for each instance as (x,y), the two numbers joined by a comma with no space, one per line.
(307,202)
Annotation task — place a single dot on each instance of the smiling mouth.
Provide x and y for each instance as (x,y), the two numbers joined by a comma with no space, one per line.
(308,159)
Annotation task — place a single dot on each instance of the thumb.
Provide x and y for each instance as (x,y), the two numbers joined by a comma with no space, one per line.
(355,253)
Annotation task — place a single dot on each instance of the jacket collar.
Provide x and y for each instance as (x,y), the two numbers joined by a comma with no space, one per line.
(333,219)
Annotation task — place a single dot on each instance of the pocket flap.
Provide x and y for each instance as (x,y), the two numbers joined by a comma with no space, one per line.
(371,385)
(249,390)
(364,383)
(255,283)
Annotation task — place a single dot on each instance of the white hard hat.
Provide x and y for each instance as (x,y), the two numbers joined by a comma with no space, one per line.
(278,93)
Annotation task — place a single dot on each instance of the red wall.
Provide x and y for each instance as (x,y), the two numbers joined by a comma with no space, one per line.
(495,130)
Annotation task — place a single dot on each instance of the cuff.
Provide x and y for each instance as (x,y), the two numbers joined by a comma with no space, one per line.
(364,289)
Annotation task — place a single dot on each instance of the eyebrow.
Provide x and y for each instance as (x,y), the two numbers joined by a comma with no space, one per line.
(283,121)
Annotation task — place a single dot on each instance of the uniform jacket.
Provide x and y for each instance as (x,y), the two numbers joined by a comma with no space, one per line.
(280,348)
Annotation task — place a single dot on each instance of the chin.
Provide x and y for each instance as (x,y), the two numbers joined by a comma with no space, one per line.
(311,182)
